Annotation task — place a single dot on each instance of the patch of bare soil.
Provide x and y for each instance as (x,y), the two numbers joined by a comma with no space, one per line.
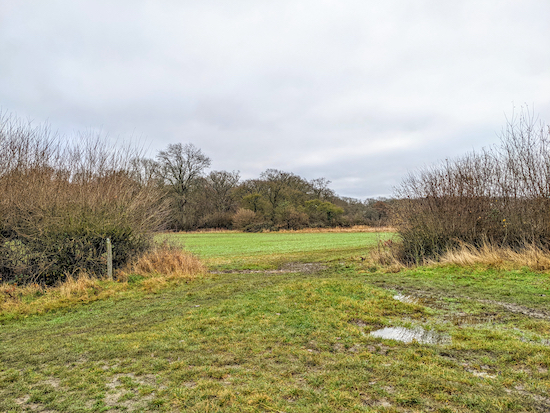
(425,297)
(304,267)
(519,309)
(118,396)
(542,404)
(290,267)
(37,407)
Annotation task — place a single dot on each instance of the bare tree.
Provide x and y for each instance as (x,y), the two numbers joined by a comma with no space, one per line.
(179,167)
(144,171)
(220,187)
(320,189)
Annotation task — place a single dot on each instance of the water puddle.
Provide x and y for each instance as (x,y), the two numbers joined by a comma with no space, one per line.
(408,299)
(544,341)
(408,335)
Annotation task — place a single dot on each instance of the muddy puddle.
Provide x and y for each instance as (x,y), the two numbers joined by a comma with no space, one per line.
(409,299)
(290,267)
(470,319)
(408,335)
(416,299)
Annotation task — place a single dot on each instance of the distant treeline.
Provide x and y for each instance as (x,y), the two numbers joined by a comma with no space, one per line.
(275,200)
(60,199)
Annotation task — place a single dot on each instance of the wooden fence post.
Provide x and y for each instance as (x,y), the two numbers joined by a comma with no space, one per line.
(109,259)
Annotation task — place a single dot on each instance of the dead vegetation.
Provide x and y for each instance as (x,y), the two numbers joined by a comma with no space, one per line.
(354,228)
(499,196)
(61,197)
(154,269)
(165,261)
(504,257)
(388,254)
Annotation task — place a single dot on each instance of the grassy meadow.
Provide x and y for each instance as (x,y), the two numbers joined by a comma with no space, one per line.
(238,250)
(281,322)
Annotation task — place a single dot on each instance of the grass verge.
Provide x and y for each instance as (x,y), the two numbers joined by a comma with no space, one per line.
(155,269)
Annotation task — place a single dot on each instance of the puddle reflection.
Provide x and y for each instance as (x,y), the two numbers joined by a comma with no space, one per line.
(408,335)
(409,299)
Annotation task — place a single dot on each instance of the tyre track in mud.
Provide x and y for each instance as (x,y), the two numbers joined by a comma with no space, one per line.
(510,307)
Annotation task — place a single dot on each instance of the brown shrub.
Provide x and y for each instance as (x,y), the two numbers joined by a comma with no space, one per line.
(290,218)
(222,220)
(500,196)
(60,201)
(244,218)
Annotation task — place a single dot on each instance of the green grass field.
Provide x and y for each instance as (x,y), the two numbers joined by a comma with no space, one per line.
(269,250)
(289,341)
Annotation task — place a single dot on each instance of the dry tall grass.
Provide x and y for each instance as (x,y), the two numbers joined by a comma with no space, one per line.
(388,255)
(529,255)
(79,286)
(168,262)
(158,267)
(355,228)
(35,298)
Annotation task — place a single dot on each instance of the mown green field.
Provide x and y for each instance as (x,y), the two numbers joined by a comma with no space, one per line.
(269,250)
(289,337)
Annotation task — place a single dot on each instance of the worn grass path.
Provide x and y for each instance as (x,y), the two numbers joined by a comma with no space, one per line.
(286,342)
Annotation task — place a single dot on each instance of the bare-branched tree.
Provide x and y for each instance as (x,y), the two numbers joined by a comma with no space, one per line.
(179,167)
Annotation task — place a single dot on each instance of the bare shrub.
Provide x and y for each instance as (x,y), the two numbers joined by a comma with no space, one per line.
(217,220)
(60,201)
(243,218)
(288,217)
(500,196)
(35,298)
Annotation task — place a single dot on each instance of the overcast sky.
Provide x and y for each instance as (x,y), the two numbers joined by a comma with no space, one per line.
(356,91)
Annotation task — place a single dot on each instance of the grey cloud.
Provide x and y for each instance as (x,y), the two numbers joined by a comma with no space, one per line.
(355,91)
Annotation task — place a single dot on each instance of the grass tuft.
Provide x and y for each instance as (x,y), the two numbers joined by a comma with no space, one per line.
(153,269)
(387,255)
(167,261)
(490,255)
(78,286)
